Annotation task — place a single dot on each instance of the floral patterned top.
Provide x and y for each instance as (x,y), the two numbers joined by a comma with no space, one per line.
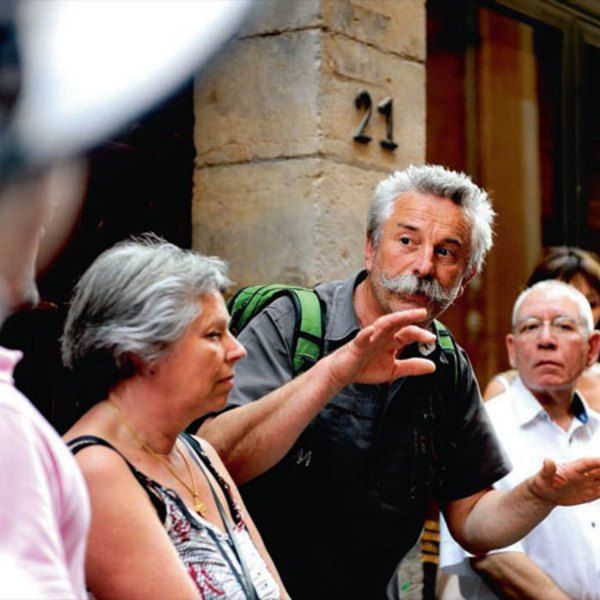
(207,552)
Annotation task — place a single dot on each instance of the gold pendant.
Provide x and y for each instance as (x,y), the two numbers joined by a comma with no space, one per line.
(199,506)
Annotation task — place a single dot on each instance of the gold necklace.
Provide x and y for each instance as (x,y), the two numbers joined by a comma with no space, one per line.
(199,506)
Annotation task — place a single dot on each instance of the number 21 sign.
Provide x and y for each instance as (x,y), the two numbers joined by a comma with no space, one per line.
(363,102)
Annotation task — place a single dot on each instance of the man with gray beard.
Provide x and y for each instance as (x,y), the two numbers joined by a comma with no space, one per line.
(339,462)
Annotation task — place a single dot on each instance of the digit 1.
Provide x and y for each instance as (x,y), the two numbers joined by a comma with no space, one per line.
(385,107)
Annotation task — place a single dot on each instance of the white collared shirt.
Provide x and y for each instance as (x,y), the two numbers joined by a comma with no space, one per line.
(566,545)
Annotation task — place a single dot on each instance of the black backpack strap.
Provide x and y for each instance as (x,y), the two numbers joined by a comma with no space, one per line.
(447,380)
(431,416)
(309,329)
(85,441)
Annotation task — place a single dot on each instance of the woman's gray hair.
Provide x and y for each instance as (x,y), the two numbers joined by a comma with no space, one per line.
(135,300)
(437,181)
(552,290)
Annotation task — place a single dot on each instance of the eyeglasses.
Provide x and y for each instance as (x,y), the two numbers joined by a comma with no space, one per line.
(560,326)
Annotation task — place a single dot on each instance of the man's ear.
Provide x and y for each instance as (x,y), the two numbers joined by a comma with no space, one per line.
(465,280)
(369,254)
(510,348)
(594,347)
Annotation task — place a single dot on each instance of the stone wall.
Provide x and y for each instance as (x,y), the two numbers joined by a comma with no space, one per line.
(280,187)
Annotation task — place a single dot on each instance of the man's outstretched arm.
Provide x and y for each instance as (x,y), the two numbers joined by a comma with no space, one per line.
(494,519)
(253,438)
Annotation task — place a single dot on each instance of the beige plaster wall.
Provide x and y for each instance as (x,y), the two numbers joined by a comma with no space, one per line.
(280,188)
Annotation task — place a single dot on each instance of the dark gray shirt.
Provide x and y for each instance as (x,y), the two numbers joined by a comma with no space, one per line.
(350,495)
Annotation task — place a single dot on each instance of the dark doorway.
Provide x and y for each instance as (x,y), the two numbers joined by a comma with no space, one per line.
(139,181)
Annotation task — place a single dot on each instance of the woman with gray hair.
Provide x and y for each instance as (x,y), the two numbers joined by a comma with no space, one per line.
(147,337)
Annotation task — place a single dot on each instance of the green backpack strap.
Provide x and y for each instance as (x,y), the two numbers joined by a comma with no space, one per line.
(447,345)
(307,342)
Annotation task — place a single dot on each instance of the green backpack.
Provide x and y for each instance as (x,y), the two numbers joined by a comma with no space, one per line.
(309,333)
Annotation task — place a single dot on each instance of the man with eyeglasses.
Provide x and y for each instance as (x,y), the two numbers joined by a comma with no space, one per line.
(542,416)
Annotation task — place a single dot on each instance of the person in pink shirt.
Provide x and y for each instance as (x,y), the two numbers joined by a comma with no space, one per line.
(44,508)
(44,514)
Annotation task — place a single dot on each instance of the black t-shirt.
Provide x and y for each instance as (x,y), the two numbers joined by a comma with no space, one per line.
(348,501)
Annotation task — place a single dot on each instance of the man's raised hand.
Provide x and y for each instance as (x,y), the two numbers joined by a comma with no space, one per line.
(372,356)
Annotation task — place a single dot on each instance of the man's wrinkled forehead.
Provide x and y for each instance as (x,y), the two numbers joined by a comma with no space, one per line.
(539,304)
(443,206)
(413,212)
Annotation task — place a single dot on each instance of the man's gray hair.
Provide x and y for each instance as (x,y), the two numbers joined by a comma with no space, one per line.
(553,289)
(437,181)
(135,300)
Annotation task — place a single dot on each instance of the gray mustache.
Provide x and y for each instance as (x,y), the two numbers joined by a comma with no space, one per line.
(410,284)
